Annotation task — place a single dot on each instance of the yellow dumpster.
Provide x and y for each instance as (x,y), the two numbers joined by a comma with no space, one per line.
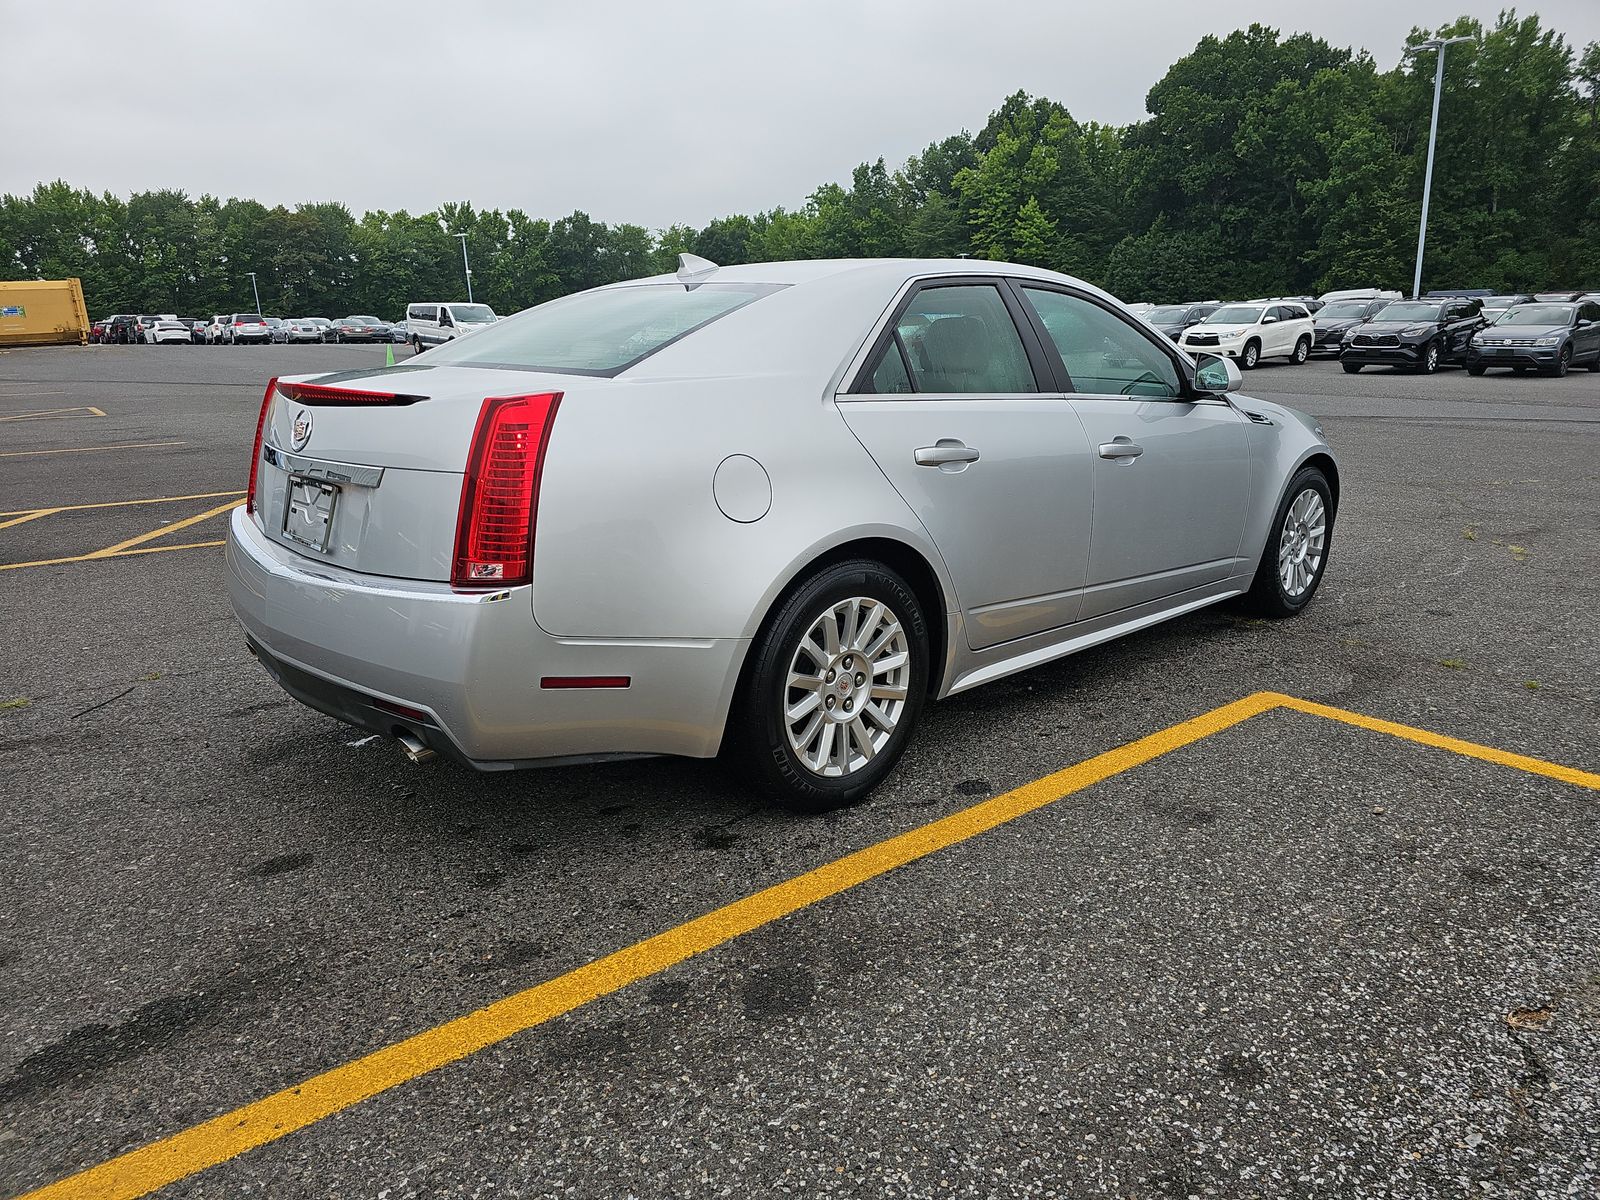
(42,312)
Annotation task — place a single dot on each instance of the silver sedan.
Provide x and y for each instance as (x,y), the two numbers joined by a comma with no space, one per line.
(773,509)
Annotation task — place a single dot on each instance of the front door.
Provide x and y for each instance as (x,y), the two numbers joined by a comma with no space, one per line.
(1171,472)
(950,406)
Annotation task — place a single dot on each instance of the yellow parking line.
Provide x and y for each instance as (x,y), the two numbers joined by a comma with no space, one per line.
(88,449)
(142,1171)
(19,512)
(1426,737)
(120,547)
(53,414)
(77,558)
(26,517)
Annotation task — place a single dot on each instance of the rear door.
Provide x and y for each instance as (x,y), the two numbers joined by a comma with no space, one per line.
(954,404)
(1171,471)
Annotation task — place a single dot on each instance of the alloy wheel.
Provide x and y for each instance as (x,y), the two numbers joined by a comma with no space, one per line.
(846,686)
(1301,543)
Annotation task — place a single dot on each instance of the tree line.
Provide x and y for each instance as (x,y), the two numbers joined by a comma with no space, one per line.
(1267,165)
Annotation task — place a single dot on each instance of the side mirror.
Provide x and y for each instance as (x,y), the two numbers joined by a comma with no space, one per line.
(1268,320)
(1217,376)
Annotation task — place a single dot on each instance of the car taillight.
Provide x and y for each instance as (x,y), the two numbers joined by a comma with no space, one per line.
(500,491)
(255,454)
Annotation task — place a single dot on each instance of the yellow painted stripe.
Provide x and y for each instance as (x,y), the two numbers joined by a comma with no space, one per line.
(26,517)
(89,449)
(173,527)
(56,562)
(43,414)
(142,1171)
(117,503)
(1426,737)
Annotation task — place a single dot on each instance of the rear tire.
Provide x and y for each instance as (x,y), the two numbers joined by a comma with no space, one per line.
(851,638)
(1302,351)
(1430,360)
(1297,547)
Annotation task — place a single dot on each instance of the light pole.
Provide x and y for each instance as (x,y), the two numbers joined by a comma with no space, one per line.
(1437,44)
(253,291)
(465,264)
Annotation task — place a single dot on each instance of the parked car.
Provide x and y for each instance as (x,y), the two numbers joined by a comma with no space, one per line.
(433,323)
(1493,306)
(299,331)
(275,332)
(97,331)
(1360,294)
(123,329)
(400,332)
(197,330)
(1173,319)
(1336,319)
(215,329)
(1459,294)
(1251,332)
(1558,297)
(142,324)
(244,329)
(165,330)
(360,329)
(324,327)
(1414,335)
(756,516)
(1548,337)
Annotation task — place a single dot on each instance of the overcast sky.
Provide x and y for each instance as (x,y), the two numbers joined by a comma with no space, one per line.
(647,112)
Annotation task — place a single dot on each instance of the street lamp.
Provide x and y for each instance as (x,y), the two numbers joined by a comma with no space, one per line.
(257,294)
(1433,134)
(466,265)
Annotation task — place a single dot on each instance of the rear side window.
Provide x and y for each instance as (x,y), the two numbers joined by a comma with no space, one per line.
(959,339)
(601,332)
(421,312)
(1103,354)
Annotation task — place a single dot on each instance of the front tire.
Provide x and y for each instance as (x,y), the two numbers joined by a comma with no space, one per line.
(1251,355)
(1476,369)
(1296,554)
(1351,368)
(1563,363)
(836,684)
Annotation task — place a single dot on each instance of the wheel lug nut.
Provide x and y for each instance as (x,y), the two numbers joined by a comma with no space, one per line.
(848,705)
(860,679)
(830,701)
(830,676)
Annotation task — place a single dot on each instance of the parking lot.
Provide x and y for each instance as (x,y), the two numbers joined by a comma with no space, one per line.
(1272,948)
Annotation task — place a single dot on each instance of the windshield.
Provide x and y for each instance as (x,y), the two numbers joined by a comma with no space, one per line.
(601,332)
(1501,301)
(1409,311)
(1167,313)
(472,314)
(1234,314)
(1344,310)
(1537,314)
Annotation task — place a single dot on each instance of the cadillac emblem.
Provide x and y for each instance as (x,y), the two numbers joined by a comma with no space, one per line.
(301,432)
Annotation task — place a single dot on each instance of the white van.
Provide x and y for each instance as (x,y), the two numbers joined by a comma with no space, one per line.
(1360,294)
(438,322)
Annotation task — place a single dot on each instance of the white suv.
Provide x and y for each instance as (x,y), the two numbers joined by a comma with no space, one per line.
(1251,332)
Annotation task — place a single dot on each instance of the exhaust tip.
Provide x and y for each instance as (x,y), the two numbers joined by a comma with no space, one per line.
(412,746)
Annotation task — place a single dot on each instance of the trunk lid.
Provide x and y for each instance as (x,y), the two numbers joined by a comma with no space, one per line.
(375,487)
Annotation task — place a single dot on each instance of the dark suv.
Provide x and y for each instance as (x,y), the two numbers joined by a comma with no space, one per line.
(122,329)
(1335,320)
(1415,335)
(1547,337)
(1173,319)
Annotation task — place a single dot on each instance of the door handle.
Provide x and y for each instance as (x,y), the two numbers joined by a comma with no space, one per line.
(1120,447)
(945,453)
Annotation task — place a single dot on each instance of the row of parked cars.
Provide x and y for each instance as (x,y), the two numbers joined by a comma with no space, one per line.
(1550,332)
(240,329)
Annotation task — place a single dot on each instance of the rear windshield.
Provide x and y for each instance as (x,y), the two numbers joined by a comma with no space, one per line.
(247,319)
(601,332)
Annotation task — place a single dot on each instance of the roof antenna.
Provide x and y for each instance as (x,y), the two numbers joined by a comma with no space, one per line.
(692,266)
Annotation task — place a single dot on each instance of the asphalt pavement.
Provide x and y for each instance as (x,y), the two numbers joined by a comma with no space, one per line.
(1294,957)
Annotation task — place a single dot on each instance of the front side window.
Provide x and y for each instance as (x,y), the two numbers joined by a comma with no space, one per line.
(961,339)
(601,332)
(1103,354)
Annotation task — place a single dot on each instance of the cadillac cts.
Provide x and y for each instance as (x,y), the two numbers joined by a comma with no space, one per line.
(764,510)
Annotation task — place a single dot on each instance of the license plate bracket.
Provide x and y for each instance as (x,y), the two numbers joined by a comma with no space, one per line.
(308,516)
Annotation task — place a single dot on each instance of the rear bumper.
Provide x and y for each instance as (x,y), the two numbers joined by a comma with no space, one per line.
(469,665)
